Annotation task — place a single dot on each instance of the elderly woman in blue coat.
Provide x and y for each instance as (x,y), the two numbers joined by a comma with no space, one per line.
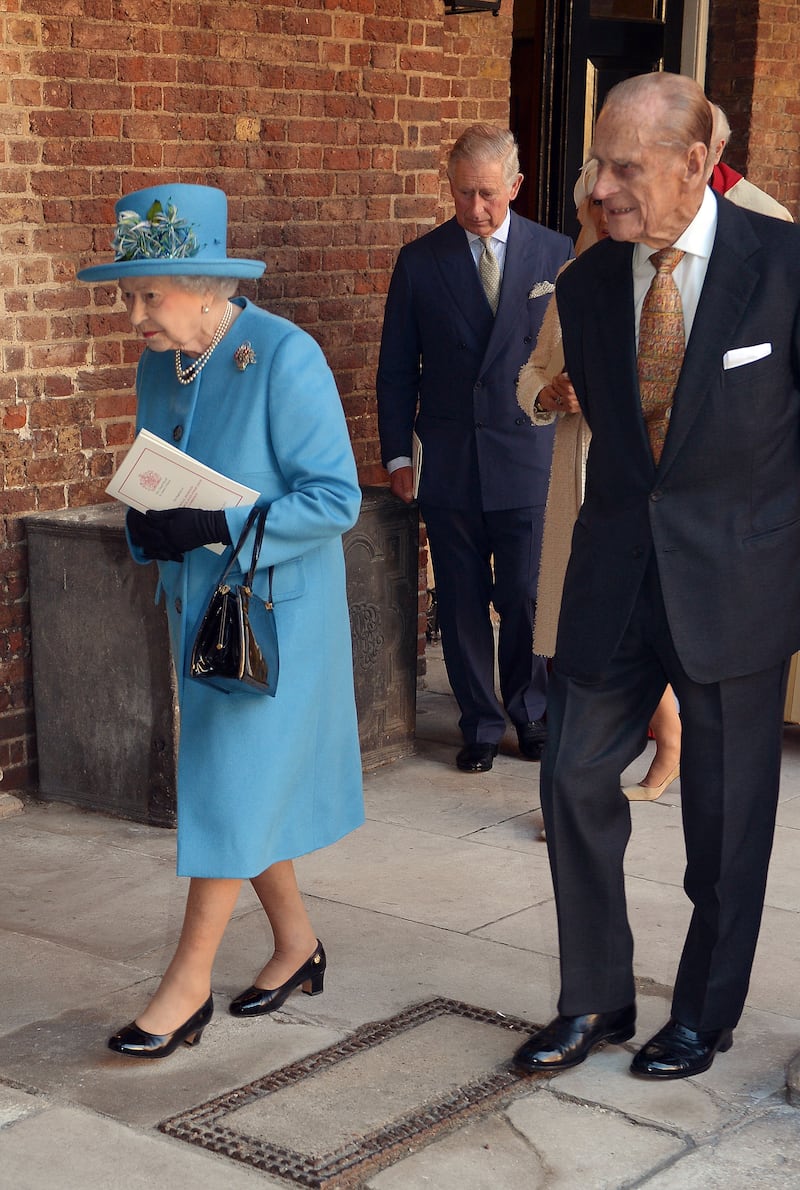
(260,780)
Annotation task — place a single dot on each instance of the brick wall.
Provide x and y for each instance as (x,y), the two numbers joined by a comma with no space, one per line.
(325,122)
(752,74)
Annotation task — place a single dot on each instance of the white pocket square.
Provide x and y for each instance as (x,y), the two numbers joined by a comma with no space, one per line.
(541,288)
(745,355)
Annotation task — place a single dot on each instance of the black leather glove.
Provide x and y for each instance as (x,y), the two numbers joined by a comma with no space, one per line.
(166,535)
(149,538)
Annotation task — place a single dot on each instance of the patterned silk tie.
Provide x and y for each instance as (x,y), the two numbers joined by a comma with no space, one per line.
(489,271)
(661,347)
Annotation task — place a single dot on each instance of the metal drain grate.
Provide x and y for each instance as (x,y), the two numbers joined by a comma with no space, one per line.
(226,1124)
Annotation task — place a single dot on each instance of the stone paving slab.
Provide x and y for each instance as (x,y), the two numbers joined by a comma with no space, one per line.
(685,1107)
(521,833)
(15,1105)
(583,1145)
(445,801)
(40,979)
(763,1154)
(70,883)
(782,880)
(67,1057)
(488,1154)
(455,884)
(539,1141)
(68,1149)
(789,813)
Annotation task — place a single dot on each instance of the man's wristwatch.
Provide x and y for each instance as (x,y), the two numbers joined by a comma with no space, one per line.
(537,407)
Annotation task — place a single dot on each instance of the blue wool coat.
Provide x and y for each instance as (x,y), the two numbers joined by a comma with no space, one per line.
(265,779)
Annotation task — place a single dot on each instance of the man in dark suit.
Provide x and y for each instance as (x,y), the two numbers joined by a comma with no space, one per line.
(685,569)
(464,306)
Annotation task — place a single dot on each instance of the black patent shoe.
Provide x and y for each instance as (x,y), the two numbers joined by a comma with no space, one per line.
(532,738)
(679,1052)
(568,1040)
(476,758)
(134,1042)
(309,978)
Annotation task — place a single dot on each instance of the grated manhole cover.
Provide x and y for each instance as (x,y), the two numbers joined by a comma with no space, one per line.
(333,1118)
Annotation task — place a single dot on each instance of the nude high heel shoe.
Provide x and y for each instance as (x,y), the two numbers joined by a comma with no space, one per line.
(650,793)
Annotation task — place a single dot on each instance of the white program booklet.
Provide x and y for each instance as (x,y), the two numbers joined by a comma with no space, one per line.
(155,474)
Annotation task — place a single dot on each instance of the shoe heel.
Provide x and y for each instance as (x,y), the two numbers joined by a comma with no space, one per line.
(193,1038)
(620,1036)
(726,1043)
(313,986)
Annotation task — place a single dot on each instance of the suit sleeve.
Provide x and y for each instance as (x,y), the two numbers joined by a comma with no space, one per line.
(398,366)
(570,314)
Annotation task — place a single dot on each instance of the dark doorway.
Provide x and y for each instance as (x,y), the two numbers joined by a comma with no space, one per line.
(527,58)
(566,56)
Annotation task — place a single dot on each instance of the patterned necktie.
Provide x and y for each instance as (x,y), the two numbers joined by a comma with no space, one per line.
(489,271)
(661,347)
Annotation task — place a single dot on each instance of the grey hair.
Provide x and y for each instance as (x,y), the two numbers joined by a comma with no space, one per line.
(685,117)
(720,129)
(223,287)
(485,142)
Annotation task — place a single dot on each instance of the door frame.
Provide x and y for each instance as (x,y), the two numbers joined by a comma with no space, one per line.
(565,113)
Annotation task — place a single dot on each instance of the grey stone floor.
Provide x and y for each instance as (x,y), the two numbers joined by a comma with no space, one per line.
(445,892)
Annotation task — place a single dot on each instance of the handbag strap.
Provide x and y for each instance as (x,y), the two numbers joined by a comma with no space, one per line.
(255,514)
(261,520)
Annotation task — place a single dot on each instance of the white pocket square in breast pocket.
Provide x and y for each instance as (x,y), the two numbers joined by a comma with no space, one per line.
(745,355)
(542,289)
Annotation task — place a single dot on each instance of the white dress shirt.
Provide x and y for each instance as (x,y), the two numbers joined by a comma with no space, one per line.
(696,241)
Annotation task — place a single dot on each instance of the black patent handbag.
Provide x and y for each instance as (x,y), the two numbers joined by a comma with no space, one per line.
(236,646)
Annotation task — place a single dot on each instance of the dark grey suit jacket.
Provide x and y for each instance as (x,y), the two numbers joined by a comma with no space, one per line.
(721,512)
(447,364)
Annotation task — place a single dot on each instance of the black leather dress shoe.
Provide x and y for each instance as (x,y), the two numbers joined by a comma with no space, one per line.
(134,1042)
(678,1052)
(568,1040)
(310,978)
(476,758)
(532,737)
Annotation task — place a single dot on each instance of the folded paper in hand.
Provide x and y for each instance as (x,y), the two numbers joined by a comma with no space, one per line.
(155,474)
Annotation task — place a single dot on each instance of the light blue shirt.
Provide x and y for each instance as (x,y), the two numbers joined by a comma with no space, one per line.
(499,240)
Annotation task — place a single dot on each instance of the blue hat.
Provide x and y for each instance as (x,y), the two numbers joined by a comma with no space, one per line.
(172,230)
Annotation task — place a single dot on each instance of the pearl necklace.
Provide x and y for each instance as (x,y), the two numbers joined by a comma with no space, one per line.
(186,376)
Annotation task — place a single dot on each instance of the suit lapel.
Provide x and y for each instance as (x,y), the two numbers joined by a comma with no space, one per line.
(614,328)
(729,284)
(517,275)
(460,277)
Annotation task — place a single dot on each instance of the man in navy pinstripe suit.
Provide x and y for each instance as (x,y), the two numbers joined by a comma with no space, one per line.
(448,368)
